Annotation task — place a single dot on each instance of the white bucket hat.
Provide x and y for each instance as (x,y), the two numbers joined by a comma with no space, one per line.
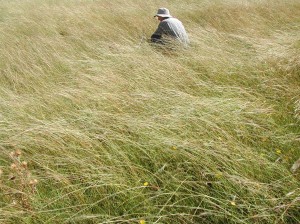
(163,12)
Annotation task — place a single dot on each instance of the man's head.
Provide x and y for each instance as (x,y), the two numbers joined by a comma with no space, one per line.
(163,13)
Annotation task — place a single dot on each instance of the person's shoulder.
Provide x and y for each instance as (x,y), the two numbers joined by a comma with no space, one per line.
(172,20)
(165,20)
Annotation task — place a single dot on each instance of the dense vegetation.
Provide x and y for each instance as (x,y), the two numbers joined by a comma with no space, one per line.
(98,126)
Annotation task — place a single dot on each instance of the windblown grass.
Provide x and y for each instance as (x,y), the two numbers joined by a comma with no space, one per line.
(97,126)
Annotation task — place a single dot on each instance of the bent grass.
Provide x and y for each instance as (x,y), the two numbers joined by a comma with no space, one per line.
(115,131)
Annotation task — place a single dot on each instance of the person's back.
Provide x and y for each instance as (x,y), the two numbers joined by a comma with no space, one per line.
(169,28)
(172,27)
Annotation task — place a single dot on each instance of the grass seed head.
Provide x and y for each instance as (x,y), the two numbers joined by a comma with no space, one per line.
(18,152)
(24,164)
(33,182)
(13,166)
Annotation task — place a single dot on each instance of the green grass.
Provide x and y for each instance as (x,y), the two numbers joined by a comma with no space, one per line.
(116,131)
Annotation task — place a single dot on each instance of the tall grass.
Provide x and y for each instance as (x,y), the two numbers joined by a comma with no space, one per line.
(98,126)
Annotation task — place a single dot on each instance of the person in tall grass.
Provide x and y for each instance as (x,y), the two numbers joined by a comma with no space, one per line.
(169,29)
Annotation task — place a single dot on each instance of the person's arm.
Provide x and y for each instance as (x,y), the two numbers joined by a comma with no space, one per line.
(157,35)
(155,38)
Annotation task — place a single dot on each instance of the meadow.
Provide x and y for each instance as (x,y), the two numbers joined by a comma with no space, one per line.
(99,126)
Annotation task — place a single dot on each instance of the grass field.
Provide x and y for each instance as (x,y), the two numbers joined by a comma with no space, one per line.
(98,126)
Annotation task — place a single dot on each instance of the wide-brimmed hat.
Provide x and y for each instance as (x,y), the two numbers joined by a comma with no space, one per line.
(163,12)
